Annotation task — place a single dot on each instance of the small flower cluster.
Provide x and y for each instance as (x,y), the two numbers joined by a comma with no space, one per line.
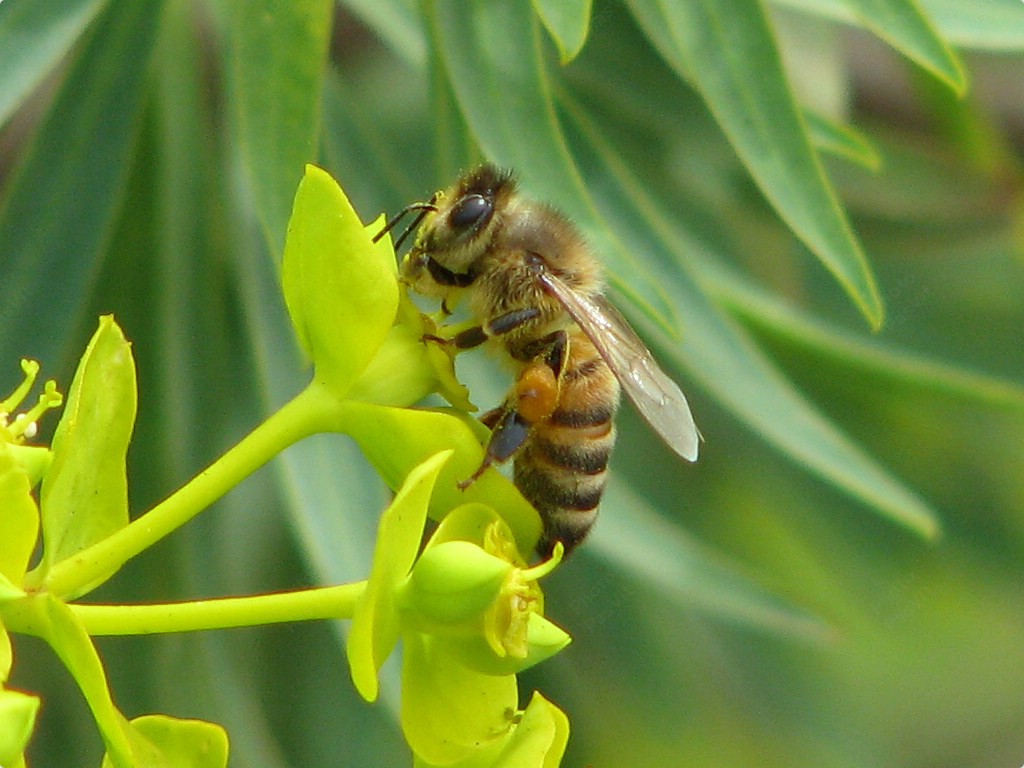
(466,607)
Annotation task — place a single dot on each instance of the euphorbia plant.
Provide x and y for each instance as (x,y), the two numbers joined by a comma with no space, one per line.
(466,607)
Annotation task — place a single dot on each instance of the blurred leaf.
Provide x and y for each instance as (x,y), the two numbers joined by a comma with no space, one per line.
(491,50)
(62,200)
(34,38)
(84,496)
(903,24)
(568,22)
(772,316)
(843,141)
(983,24)
(718,354)
(730,55)
(397,22)
(651,550)
(278,48)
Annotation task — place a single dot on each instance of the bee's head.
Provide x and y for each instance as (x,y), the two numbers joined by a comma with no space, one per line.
(457,231)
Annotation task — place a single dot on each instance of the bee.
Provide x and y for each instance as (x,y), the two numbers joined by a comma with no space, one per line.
(536,290)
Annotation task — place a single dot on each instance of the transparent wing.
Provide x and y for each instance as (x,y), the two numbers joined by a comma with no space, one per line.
(656,396)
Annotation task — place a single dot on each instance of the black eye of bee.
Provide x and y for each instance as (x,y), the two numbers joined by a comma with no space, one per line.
(470,211)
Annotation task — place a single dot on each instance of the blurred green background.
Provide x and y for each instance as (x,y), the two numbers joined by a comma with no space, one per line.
(837,582)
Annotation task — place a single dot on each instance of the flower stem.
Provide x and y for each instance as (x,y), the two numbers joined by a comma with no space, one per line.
(221,613)
(301,417)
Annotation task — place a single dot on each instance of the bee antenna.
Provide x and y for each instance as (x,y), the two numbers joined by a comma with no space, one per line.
(423,208)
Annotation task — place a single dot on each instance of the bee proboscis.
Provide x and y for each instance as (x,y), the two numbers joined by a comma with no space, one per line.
(536,290)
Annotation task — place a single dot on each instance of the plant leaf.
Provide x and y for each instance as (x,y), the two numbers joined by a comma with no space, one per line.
(64,197)
(491,50)
(33,39)
(568,22)
(277,61)
(729,53)
(903,24)
(722,357)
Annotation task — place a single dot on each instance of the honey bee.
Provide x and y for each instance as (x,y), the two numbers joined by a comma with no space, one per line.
(536,290)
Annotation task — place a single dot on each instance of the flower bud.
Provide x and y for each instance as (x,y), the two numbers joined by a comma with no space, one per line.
(453,585)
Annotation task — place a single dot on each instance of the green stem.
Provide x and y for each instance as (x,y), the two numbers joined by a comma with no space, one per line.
(306,414)
(222,613)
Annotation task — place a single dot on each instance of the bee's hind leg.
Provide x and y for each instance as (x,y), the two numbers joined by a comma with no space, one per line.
(510,431)
(532,400)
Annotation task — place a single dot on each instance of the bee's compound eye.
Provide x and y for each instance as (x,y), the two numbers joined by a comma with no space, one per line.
(469,211)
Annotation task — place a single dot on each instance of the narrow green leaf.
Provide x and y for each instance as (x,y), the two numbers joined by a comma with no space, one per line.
(84,495)
(773,316)
(993,25)
(375,623)
(568,22)
(723,358)
(340,288)
(903,24)
(277,60)
(729,52)
(64,198)
(842,141)
(19,520)
(983,24)
(641,542)
(34,37)
(492,54)
(396,21)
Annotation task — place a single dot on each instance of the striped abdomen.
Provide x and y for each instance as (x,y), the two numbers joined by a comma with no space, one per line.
(562,467)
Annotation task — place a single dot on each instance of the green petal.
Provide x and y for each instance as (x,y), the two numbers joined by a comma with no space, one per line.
(397,439)
(540,738)
(84,495)
(17,720)
(340,288)
(544,639)
(19,518)
(449,712)
(179,743)
(375,623)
